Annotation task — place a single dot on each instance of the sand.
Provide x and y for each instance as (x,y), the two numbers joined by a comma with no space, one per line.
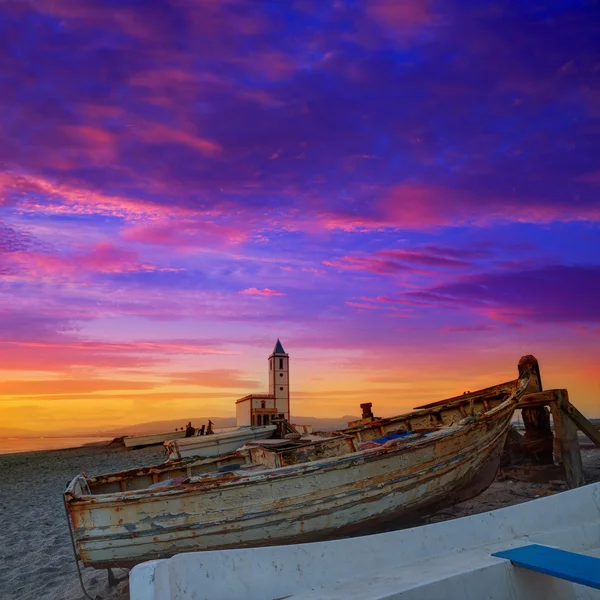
(35,551)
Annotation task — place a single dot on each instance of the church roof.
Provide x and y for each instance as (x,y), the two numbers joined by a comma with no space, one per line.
(278,348)
(255,397)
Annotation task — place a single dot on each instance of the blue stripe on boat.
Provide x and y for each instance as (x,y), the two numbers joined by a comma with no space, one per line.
(570,566)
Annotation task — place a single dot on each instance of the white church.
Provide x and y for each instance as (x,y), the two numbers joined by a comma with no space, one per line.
(261,409)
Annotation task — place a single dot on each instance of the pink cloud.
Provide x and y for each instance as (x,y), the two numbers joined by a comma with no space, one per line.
(187,233)
(69,386)
(374,265)
(401,19)
(102,258)
(107,258)
(265,292)
(66,354)
(216,378)
(468,328)
(427,258)
(65,199)
(142,25)
(175,77)
(404,260)
(399,14)
(411,206)
(363,305)
(97,145)
(156,133)
(166,346)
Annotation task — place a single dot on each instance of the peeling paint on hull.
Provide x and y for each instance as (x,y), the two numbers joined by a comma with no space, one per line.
(332,493)
(331,498)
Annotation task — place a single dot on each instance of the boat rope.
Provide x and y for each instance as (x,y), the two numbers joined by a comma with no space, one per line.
(76,555)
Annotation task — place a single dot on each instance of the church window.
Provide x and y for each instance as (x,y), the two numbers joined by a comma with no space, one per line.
(280,374)
(281,389)
(262,404)
(270,365)
(281,363)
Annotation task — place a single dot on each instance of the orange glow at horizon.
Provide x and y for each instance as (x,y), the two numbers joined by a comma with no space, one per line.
(318,389)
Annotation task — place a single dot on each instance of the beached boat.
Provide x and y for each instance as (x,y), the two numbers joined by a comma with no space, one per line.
(387,473)
(455,560)
(217,444)
(139,441)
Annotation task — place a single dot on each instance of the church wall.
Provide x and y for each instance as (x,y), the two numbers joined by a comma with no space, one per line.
(242,414)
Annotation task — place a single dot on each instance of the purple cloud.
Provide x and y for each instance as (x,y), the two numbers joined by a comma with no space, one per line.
(550,294)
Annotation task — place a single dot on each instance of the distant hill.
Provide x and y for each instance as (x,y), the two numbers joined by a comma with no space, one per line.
(13,432)
(318,423)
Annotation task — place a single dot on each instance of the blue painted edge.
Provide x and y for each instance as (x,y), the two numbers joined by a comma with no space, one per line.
(570,566)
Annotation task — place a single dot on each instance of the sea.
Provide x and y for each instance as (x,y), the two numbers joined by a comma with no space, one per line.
(11,445)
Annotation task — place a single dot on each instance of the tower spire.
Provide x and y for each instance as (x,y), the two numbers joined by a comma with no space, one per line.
(278,348)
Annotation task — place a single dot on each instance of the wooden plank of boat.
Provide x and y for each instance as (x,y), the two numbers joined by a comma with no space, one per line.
(139,441)
(216,444)
(451,559)
(331,491)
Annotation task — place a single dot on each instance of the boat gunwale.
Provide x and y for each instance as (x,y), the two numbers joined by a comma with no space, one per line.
(230,478)
(510,387)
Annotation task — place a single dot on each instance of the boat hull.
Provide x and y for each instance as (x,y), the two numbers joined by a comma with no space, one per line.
(362,492)
(453,560)
(140,441)
(217,444)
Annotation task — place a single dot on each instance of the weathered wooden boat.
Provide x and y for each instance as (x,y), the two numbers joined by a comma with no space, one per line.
(217,444)
(455,560)
(139,441)
(382,474)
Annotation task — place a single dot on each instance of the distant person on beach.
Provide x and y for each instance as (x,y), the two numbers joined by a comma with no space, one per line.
(189,430)
(209,429)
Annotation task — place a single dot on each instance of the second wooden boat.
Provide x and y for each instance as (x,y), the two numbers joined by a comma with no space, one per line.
(216,444)
(153,439)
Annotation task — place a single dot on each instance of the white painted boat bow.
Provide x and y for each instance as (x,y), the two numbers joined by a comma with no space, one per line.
(452,559)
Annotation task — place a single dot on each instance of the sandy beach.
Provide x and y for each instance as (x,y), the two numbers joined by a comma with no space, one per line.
(35,551)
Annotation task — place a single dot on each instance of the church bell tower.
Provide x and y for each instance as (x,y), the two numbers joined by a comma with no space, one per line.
(279,379)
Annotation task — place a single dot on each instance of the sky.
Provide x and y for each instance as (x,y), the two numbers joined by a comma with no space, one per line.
(406,193)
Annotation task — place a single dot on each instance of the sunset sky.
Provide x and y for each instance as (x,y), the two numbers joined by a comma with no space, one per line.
(406,192)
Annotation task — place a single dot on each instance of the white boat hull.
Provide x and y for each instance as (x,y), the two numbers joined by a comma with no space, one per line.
(216,444)
(451,560)
(137,441)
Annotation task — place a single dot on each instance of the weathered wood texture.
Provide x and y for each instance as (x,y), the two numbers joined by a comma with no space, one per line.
(566,443)
(538,433)
(538,442)
(581,422)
